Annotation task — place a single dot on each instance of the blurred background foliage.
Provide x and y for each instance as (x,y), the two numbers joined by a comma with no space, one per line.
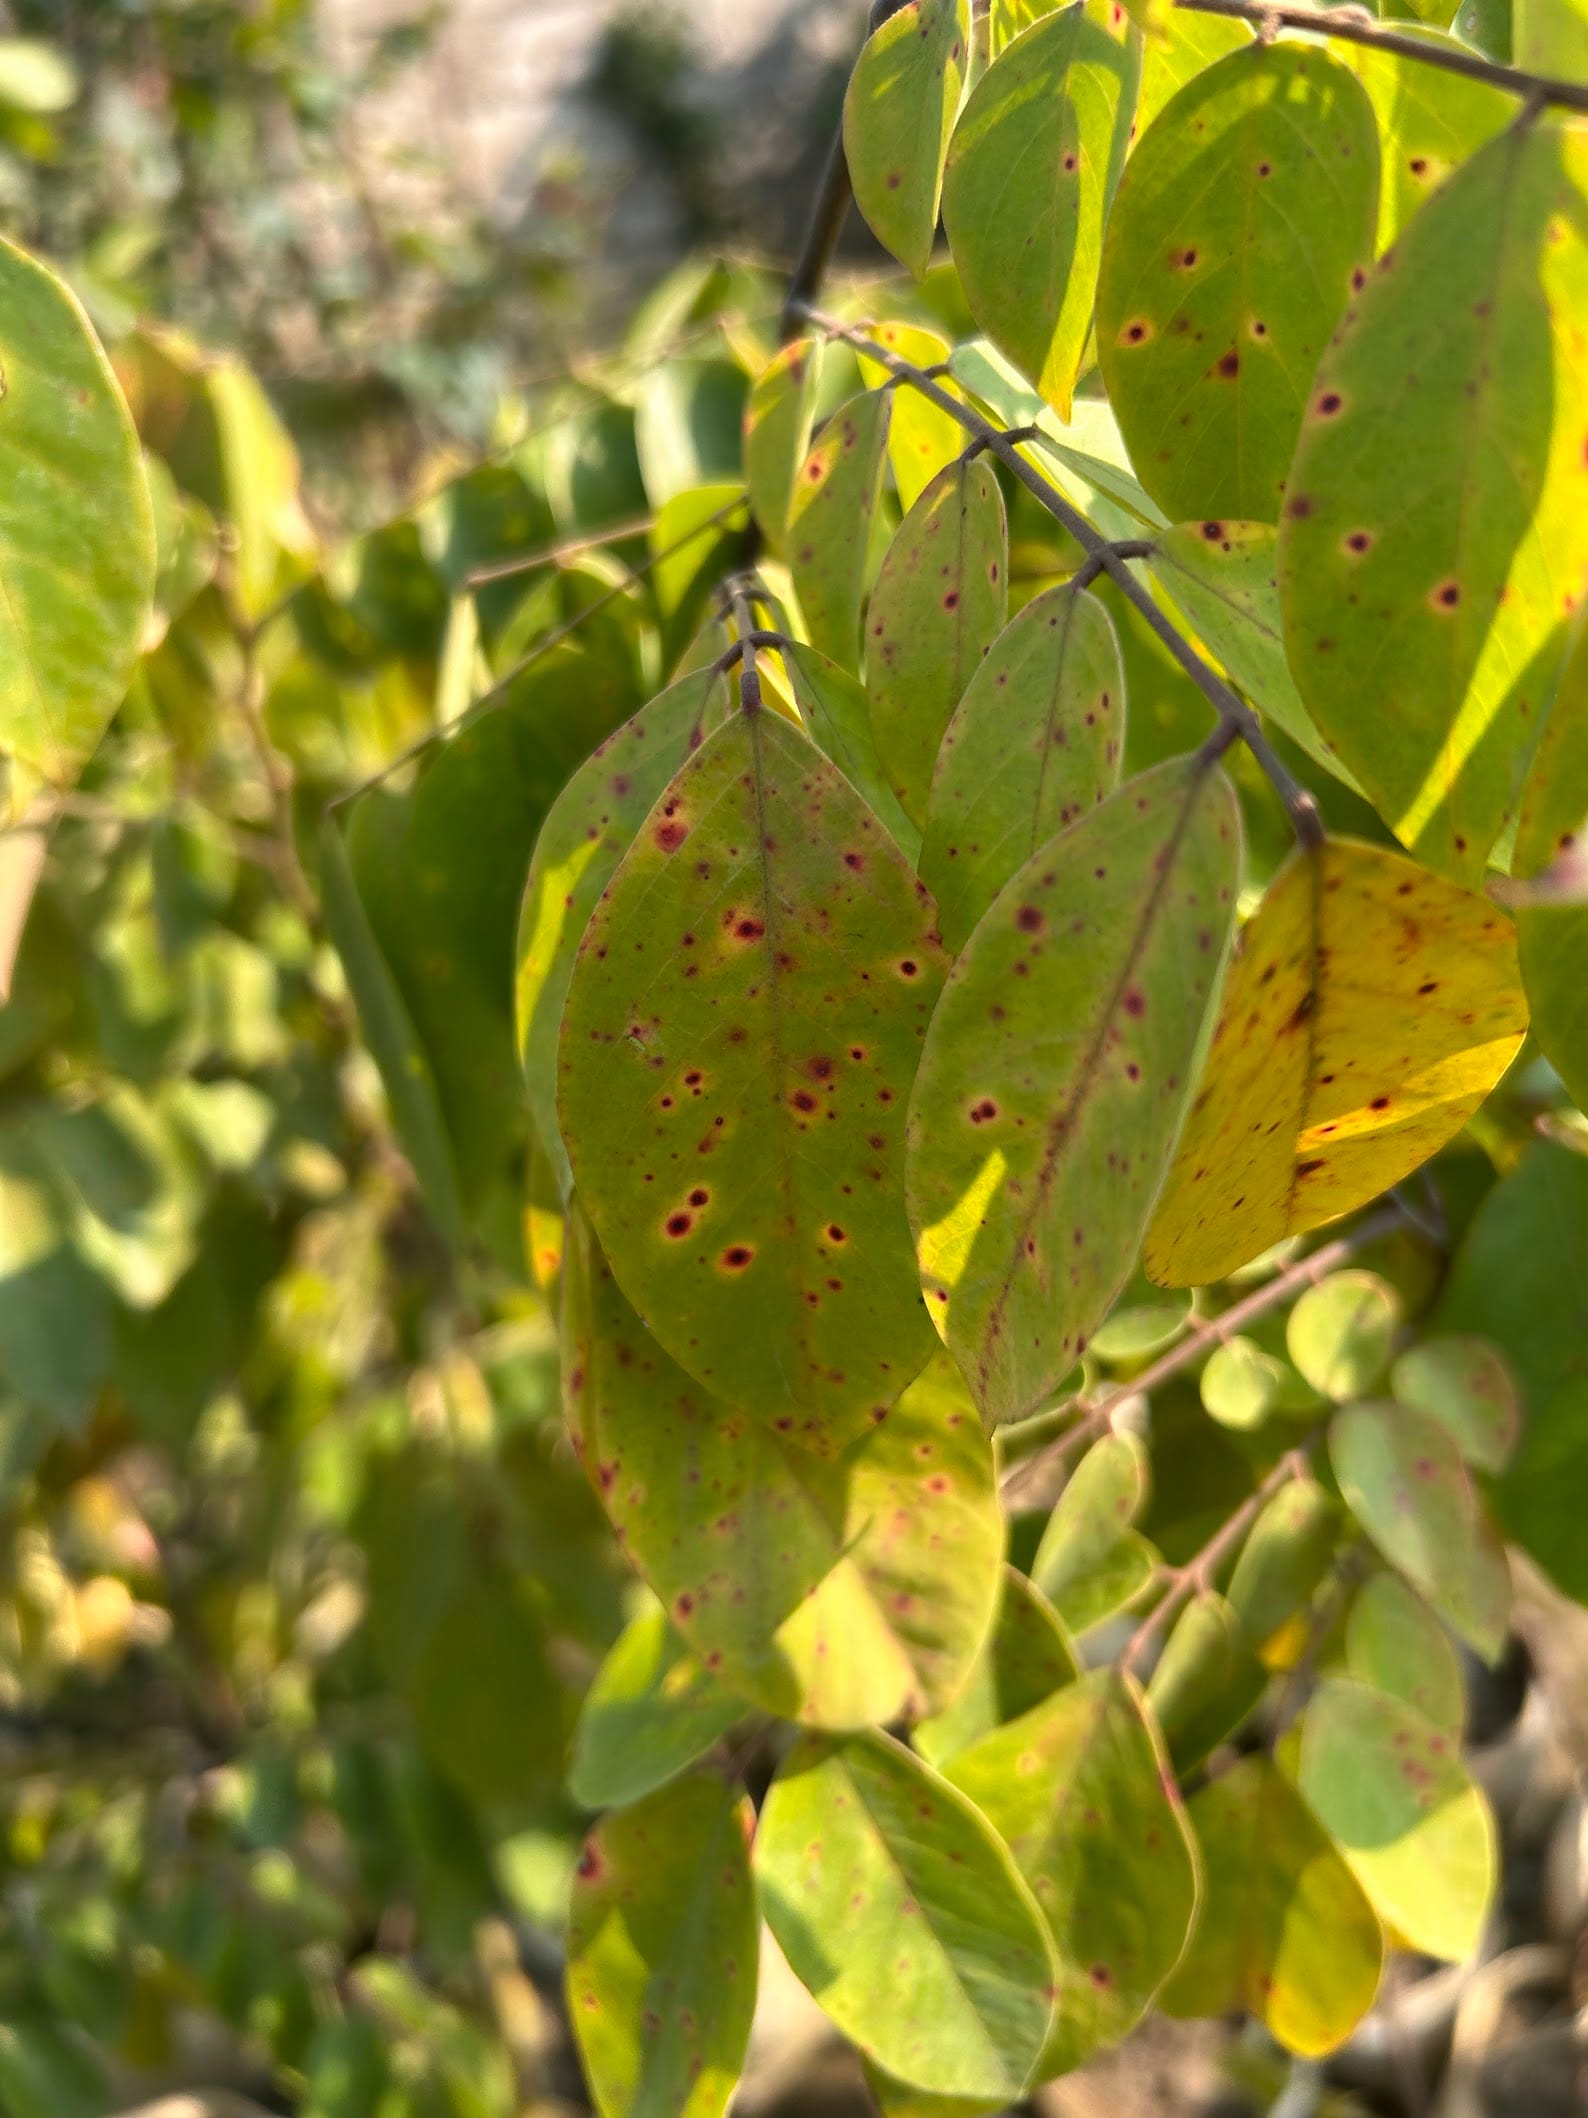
(300,1586)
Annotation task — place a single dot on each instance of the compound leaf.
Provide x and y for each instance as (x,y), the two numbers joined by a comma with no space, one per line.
(905,1917)
(898,113)
(1391,1791)
(836,1591)
(1371,1009)
(1241,218)
(77,547)
(1050,689)
(662,1952)
(1079,1790)
(1031,170)
(1460,355)
(1285,1932)
(1056,1075)
(740,1035)
(1404,1481)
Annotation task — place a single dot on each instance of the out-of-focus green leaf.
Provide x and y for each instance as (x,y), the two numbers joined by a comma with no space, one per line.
(1465,1385)
(1206,1682)
(1394,1642)
(650,1711)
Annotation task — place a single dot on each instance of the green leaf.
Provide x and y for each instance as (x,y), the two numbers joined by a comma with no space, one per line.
(1222,578)
(1103,1499)
(1050,688)
(1243,1385)
(904,1916)
(1282,1561)
(837,717)
(1391,1791)
(1029,1655)
(1207,1680)
(1404,1481)
(923,439)
(77,552)
(591,470)
(1551,835)
(738,1043)
(1286,1933)
(1394,1642)
(1521,1275)
(829,525)
(1372,1009)
(688,426)
(1185,46)
(896,2099)
(939,603)
(695,546)
(1079,1790)
(1031,170)
(1430,121)
(900,108)
(1009,17)
(662,1953)
(1067,1036)
(1551,37)
(777,433)
(1539,1500)
(1241,218)
(651,1710)
(589,828)
(1464,1384)
(389,1032)
(840,1592)
(1341,1332)
(485,1702)
(55,1312)
(1445,596)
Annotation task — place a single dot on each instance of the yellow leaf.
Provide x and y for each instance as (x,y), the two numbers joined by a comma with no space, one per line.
(1372,1008)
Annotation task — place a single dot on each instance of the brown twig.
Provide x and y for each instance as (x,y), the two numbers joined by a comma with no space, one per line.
(1100,552)
(1354,25)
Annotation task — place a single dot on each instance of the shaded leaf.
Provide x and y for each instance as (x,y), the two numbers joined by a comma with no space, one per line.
(1464,1384)
(837,716)
(688,425)
(77,550)
(923,439)
(651,1710)
(1539,1500)
(1285,1932)
(1241,218)
(662,1953)
(1391,1791)
(1551,37)
(1102,1499)
(1551,845)
(1029,1655)
(1283,1561)
(840,1592)
(905,1917)
(1079,1790)
(589,828)
(1404,1481)
(485,1702)
(777,433)
(899,110)
(939,603)
(1243,1384)
(1446,597)
(1394,1642)
(739,1039)
(1207,1680)
(1031,170)
(829,526)
(1341,1332)
(1051,688)
(1370,1011)
(1056,1075)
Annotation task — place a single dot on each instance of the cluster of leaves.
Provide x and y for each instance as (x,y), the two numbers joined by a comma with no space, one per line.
(913,1073)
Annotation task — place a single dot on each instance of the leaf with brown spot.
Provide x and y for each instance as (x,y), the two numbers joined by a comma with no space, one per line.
(904,1917)
(744,1020)
(1430,120)
(1241,216)
(1371,1009)
(829,522)
(663,1952)
(838,1591)
(1079,1790)
(923,439)
(777,433)
(1031,172)
(939,603)
(899,110)
(1035,743)
(1057,1073)
(590,827)
(1425,618)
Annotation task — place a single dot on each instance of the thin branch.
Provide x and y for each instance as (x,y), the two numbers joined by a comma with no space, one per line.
(1025,1484)
(1354,25)
(1230,707)
(554,554)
